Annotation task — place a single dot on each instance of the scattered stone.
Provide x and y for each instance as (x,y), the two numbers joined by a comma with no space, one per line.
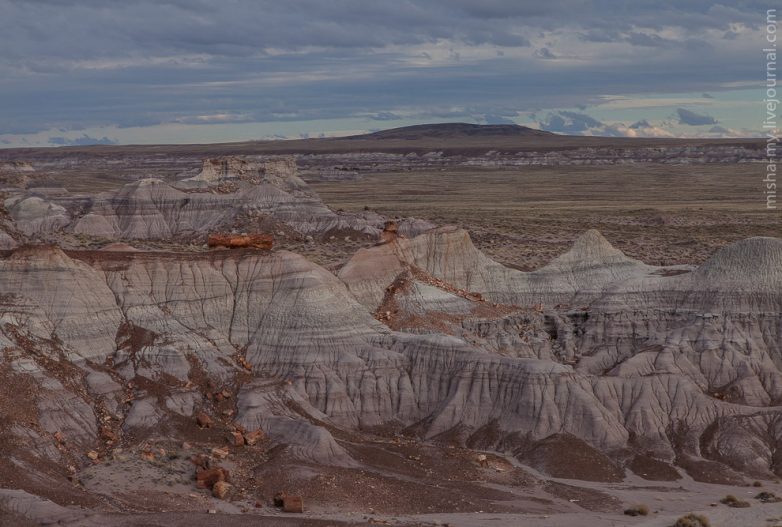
(206,478)
(253,437)
(200,460)
(244,364)
(220,453)
(93,455)
(293,504)
(203,420)
(238,438)
(108,435)
(220,489)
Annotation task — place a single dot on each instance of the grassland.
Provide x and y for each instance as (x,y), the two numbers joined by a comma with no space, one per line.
(662,214)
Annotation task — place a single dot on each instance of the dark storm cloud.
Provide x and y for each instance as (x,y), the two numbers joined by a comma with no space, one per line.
(73,64)
(694,119)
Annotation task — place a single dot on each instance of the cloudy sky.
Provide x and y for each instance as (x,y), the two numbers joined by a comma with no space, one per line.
(151,71)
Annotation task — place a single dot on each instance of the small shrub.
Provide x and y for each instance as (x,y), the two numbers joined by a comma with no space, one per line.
(637,510)
(757,484)
(692,520)
(768,497)
(732,501)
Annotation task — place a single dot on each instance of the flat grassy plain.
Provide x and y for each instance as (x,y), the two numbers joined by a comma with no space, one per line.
(524,217)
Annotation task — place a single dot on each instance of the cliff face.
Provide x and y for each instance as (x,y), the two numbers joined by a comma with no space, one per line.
(427,333)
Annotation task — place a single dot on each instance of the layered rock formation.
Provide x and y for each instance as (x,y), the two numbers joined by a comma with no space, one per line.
(222,194)
(228,194)
(678,363)
(662,349)
(126,370)
(15,174)
(33,215)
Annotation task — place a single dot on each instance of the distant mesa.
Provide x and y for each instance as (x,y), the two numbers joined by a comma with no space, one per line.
(455,130)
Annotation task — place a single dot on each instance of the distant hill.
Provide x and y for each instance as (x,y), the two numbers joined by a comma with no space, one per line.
(448,138)
(455,131)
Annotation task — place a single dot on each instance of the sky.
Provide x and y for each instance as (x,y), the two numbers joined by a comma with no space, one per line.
(200,71)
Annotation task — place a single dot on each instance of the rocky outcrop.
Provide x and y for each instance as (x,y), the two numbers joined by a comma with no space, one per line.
(33,215)
(218,170)
(7,241)
(16,174)
(595,345)
(447,253)
(666,348)
(45,293)
(152,209)
(227,193)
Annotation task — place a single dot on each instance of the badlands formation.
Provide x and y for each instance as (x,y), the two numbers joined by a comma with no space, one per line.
(148,379)
(226,193)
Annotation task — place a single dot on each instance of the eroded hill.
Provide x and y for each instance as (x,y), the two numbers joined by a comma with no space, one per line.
(419,377)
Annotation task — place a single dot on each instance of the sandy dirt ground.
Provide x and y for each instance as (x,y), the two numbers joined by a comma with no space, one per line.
(523,217)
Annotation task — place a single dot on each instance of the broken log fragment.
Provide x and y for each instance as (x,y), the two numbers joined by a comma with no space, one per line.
(240,241)
(293,504)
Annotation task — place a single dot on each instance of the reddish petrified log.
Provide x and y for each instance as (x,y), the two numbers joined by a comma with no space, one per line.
(238,241)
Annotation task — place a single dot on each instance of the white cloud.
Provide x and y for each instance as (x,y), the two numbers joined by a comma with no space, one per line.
(92,64)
